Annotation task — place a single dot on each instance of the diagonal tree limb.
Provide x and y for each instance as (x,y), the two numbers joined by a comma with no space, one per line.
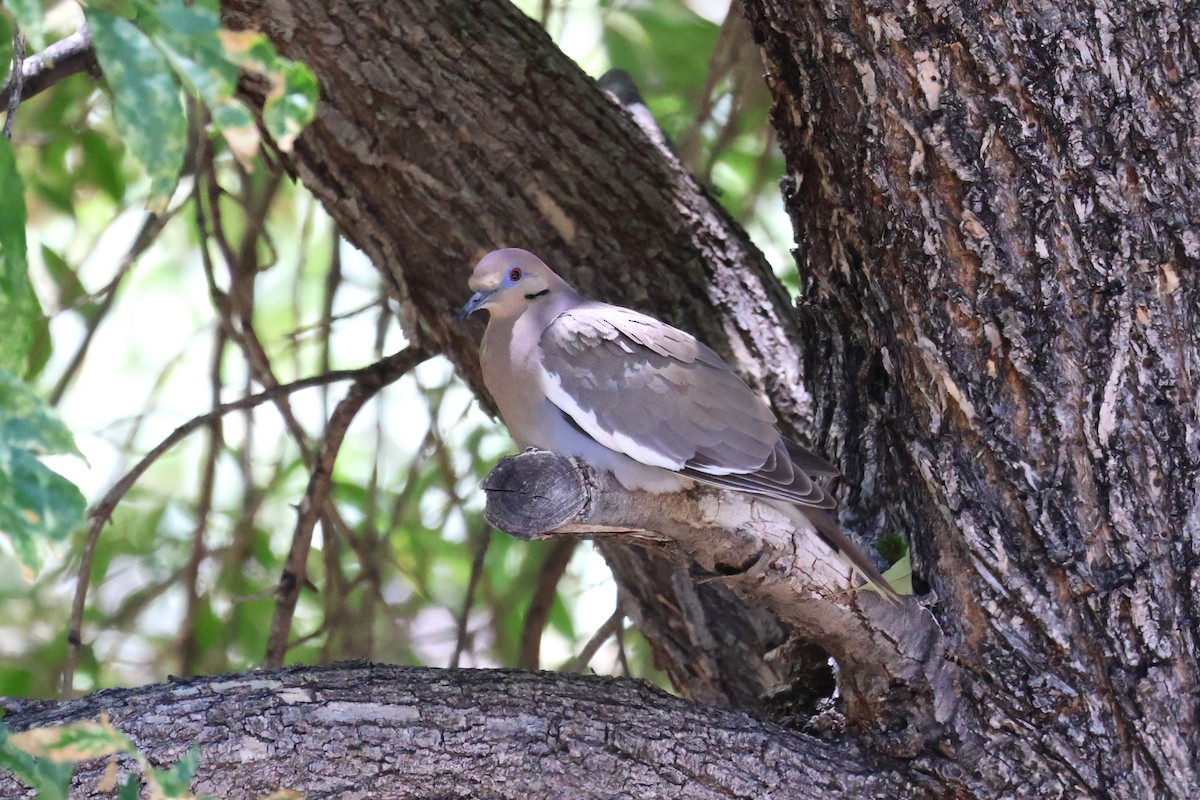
(550,573)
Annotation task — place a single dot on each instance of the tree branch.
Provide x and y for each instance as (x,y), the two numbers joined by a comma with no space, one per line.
(554,566)
(59,61)
(753,548)
(401,732)
(316,496)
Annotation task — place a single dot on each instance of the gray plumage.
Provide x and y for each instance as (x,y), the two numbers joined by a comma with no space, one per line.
(638,398)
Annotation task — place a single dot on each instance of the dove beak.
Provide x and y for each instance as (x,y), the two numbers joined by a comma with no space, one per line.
(477,301)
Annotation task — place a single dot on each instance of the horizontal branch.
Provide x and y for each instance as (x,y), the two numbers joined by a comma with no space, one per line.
(57,62)
(401,732)
(755,549)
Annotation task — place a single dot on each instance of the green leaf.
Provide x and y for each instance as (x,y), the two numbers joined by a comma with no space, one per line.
(146,102)
(6,42)
(19,307)
(36,503)
(666,47)
(899,575)
(101,164)
(39,347)
(51,781)
(75,741)
(288,112)
(173,782)
(188,38)
(292,100)
(28,423)
(189,20)
(70,289)
(131,789)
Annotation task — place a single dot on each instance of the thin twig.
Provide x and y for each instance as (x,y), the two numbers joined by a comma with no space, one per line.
(482,539)
(61,60)
(204,502)
(610,628)
(316,496)
(622,655)
(152,226)
(554,565)
(234,308)
(333,595)
(300,331)
(235,556)
(16,82)
(333,281)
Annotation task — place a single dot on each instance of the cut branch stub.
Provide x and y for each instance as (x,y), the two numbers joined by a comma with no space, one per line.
(531,495)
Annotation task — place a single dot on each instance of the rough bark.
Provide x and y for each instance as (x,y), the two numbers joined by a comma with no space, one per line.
(394,733)
(993,205)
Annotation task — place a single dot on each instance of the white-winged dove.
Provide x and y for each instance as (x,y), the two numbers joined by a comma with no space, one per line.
(636,397)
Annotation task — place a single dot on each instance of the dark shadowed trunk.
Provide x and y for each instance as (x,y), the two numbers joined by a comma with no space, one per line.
(995,217)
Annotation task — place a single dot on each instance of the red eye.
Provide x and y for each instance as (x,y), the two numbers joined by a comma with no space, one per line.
(514,274)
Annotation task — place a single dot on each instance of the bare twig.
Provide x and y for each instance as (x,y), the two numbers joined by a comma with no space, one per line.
(554,565)
(253,495)
(187,638)
(316,496)
(482,539)
(610,628)
(622,655)
(333,281)
(152,226)
(61,60)
(333,595)
(234,309)
(16,82)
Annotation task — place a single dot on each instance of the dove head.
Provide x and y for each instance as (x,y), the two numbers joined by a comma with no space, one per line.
(506,282)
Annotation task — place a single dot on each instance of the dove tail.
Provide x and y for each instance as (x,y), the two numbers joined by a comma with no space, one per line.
(827,528)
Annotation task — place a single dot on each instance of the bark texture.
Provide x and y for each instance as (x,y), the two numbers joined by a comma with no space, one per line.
(993,205)
(449,128)
(403,733)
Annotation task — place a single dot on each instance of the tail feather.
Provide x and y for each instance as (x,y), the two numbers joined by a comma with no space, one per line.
(827,528)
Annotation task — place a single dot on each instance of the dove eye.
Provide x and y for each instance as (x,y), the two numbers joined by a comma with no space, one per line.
(514,274)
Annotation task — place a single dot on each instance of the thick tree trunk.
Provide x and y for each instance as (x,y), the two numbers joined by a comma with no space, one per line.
(995,214)
(402,733)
